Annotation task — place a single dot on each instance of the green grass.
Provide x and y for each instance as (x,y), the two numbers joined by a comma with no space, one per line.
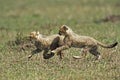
(46,16)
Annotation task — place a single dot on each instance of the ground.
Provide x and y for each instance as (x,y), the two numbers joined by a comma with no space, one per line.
(85,17)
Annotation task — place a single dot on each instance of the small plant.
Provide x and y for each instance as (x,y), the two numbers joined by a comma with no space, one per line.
(20,43)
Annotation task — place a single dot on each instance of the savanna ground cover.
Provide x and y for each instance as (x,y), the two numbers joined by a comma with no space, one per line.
(97,18)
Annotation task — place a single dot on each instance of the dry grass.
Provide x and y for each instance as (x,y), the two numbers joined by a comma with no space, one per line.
(46,16)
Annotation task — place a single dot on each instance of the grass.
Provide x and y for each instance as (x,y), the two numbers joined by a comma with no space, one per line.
(24,16)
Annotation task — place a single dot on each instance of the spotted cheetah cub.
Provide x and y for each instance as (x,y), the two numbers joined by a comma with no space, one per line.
(46,43)
(88,44)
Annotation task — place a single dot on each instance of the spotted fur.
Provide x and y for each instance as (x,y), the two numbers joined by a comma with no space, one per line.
(88,44)
(46,43)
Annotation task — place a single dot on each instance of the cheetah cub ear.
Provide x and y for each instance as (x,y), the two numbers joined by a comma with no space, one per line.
(37,32)
(65,27)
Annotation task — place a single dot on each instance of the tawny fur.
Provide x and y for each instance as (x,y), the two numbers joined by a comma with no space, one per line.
(74,40)
(46,43)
